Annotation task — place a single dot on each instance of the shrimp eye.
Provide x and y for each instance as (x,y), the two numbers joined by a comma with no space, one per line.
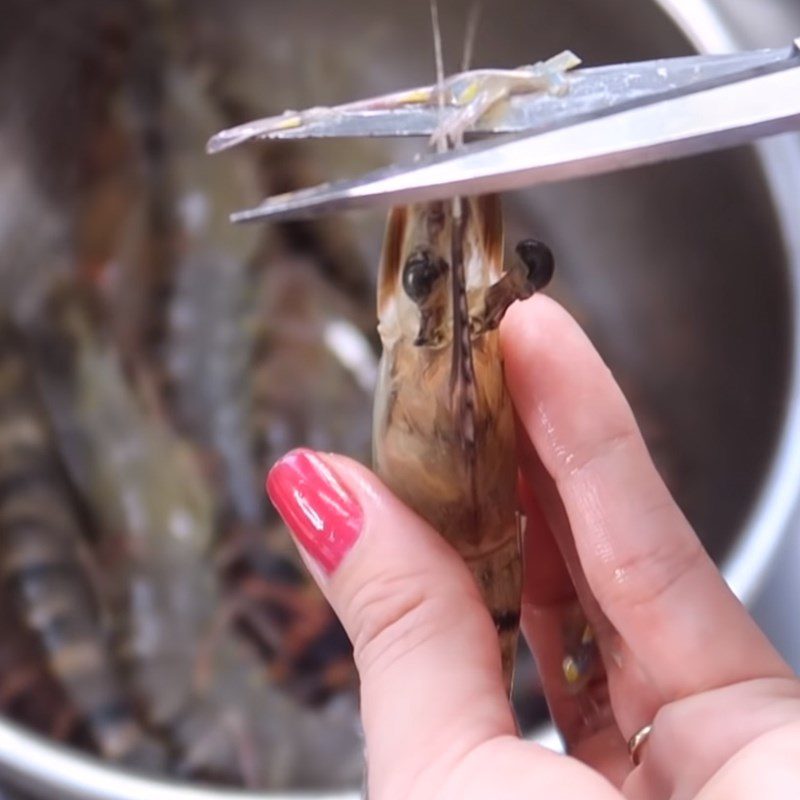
(420,273)
(538,258)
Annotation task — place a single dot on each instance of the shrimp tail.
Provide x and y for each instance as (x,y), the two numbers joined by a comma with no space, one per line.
(499,578)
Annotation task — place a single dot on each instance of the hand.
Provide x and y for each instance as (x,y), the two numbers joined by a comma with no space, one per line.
(679,650)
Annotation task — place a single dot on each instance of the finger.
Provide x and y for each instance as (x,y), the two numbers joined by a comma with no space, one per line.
(553,568)
(551,617)
(693,738)
(570,667)
(547,580)
(640,698)
(642,561)
(425,645)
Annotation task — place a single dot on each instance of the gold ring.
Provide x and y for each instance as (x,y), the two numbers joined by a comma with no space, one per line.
(636,743)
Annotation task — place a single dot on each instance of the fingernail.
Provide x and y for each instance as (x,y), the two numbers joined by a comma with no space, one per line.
(324,517)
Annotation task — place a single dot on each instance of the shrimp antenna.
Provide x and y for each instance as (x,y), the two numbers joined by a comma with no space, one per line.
(462,370)
(471,33)
(437,49)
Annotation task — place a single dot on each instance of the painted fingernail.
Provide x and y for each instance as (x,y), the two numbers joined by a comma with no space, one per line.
(324,517)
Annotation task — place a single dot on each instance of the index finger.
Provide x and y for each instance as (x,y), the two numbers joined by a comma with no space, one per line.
(641,558)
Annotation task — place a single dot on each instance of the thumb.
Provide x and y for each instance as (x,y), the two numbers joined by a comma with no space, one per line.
(424,644)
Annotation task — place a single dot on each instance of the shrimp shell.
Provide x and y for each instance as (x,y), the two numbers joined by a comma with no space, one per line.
(202,688)
(44,566)
(444,427)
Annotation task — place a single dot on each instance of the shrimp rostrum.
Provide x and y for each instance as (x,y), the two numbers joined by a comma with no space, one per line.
(444,426)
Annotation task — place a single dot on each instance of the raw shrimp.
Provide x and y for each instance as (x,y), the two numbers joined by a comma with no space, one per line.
(444,426)
(311,383)
(43,562)
(443,434)
(226,317)
(263,361)
(203,689)
(266,353)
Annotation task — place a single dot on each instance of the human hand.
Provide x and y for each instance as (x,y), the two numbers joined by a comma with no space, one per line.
(678,649)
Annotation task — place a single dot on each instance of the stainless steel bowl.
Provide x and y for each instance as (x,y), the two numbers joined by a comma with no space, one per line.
(685,275)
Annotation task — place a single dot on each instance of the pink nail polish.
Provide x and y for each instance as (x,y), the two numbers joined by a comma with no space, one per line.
(324,517)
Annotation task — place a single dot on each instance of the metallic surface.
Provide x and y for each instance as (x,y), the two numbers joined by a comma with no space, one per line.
(761,566)
(648,255)
(51,771)
(637,742)
(638,129)
(591,91)
(775,598)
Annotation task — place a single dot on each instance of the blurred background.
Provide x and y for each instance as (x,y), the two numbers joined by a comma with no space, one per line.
(155,360)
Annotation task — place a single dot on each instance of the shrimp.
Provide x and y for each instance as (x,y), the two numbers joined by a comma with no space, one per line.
(443,435)
(266,352)
(283,365)
(443,429)
(234,357)
(43,564)
(310,382)
(204,690)
(443,425)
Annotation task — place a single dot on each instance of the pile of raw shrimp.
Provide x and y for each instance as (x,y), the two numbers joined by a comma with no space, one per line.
(154,362)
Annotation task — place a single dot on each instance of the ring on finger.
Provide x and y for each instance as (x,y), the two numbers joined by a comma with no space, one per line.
(637,742)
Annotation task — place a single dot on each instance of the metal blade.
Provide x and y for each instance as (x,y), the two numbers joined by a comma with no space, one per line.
(718,117)
(591,91)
